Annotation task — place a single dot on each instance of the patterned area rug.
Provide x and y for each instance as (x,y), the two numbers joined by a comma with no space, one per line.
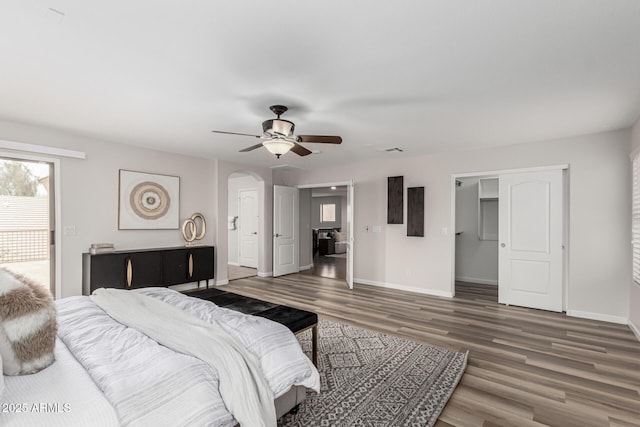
(373,379)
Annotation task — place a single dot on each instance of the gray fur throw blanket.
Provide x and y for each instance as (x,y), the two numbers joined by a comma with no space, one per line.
(27,325)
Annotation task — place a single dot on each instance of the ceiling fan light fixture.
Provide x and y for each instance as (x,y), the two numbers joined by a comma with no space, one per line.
(278,146)
(278,126)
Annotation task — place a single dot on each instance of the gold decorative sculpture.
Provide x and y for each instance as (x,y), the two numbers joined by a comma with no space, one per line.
(190,229)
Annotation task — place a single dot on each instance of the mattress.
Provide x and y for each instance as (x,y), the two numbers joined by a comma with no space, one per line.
(63,395)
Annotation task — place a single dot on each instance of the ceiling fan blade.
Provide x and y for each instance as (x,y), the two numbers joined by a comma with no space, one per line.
(300,150)
(320,139)
(253,147)
(235,133)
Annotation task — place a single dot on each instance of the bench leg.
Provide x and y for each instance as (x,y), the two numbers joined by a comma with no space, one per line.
(314,345)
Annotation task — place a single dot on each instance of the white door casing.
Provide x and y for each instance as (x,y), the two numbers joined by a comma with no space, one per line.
(285,230)
(350,216)
(531,239)
(248,228)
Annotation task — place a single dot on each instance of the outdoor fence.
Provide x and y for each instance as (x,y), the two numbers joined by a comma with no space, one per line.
(24,245)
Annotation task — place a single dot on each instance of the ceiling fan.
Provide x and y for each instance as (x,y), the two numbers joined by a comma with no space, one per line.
(277,136)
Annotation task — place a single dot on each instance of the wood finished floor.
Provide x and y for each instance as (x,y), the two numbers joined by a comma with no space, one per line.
(324,266)
(235,272)
(526,367)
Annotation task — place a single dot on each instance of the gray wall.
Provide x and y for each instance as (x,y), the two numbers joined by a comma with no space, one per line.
(306,244)
(599,218)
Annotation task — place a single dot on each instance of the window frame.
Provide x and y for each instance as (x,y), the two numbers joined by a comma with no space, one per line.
(323,214)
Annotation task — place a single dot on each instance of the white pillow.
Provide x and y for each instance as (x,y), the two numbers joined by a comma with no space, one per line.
(338,236)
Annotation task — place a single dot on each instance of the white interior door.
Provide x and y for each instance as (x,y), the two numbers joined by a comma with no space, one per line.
(350,204)
(285,230)
(248,228)
(531,238)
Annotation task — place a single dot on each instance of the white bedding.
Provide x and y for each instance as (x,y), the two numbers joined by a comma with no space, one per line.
(112,375)
(241,384)
(62,395)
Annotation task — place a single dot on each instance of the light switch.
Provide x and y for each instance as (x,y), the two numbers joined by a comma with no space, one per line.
(69,230)
(377,229)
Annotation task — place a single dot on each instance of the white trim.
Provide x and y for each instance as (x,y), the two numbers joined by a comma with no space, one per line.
(634,329)
(305,267)
(477,280)
(267,274)
(222,282)
(42,149)
(598,316)
(233,263)
(506,171)
(326,184)
(403,288)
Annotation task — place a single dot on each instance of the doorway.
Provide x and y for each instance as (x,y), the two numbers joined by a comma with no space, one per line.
(27,219)
(326,216)
(476,241)
(510,237)
(326,229)
(243,210)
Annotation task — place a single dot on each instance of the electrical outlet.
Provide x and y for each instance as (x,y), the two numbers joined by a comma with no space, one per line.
(69,230)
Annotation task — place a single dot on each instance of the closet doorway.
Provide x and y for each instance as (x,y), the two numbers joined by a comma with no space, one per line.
(511,236)
(476,241)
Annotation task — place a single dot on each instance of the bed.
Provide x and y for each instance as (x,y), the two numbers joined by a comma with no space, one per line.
(109,373)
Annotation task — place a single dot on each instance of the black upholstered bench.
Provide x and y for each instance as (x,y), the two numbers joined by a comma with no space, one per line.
(296,320)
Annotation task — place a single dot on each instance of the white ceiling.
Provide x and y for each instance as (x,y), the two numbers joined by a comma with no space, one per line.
(426,76)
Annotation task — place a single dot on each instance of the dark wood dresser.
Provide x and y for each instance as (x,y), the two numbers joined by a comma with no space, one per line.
(147,267)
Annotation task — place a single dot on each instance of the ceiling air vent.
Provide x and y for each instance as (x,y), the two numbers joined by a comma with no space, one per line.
(285,167)
(394,150)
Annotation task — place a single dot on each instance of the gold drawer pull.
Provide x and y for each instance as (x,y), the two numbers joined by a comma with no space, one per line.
(129,272)
(190,265)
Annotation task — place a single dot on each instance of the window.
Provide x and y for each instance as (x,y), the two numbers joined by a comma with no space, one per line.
(327,212)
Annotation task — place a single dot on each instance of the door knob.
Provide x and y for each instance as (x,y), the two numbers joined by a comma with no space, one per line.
(276,235)
(502,245)
(255,232)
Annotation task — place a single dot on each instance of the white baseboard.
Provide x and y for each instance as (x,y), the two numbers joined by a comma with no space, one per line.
(634,329)
(233,263)
(305,267)
(267,274)
(222,282)
(598,316)
(404,288)
(477,280)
